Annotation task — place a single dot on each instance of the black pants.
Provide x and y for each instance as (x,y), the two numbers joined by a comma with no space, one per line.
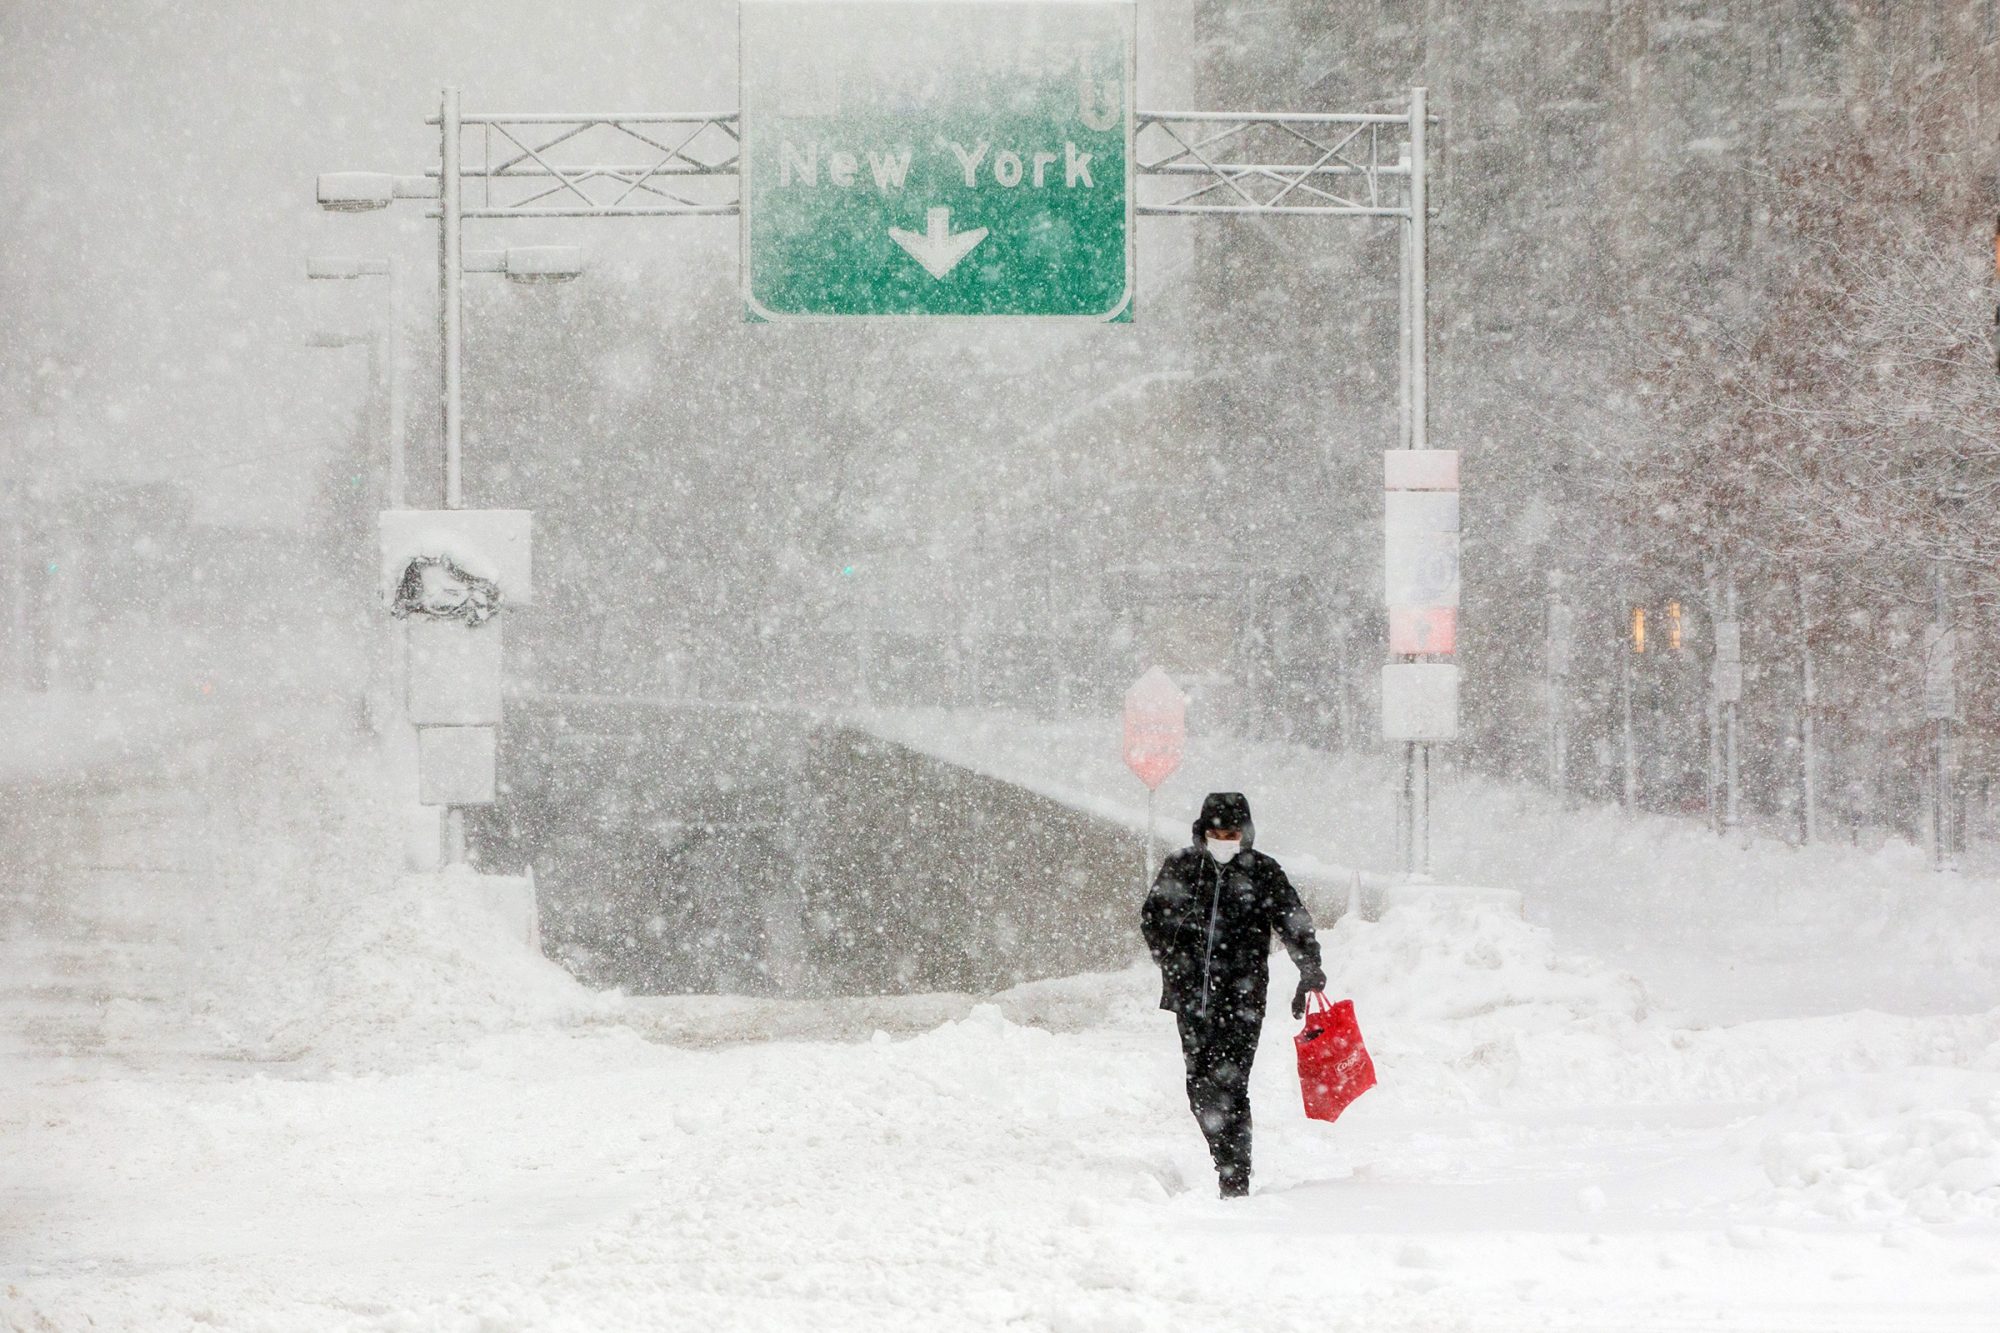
(1218,1052)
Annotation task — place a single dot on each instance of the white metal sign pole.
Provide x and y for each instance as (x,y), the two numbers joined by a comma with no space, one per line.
(451,275)
(1420,333)
(1419,391)
(1147,887)
(451,327)
(1405,803)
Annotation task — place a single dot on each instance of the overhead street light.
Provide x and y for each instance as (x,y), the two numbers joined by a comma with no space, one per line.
(366,191)
(346,266)
(328,338)
(529,264)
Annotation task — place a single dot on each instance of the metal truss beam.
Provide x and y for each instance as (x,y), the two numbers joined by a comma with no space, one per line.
(687,164)
(600,165)
(1336,164)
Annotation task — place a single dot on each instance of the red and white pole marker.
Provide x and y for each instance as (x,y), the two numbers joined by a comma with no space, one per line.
(1155,739)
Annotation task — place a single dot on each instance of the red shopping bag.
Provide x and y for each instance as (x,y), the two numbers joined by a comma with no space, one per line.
(1334,1067)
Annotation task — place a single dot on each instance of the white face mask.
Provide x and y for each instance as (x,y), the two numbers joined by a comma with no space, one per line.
(1224,852)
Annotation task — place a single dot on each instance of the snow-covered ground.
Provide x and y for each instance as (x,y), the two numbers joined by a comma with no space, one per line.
(345,1101)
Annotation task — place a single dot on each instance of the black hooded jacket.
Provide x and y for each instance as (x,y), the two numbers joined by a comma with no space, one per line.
(1209,925)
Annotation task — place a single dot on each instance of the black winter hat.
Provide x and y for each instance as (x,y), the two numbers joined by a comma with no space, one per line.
(1225,809)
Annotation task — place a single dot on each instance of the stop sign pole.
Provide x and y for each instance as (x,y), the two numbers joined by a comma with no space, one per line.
(1155,739)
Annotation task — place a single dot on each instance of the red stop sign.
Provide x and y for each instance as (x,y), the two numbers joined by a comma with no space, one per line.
(1155,727)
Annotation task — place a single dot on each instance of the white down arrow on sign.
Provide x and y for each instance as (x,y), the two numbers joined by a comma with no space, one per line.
(938,249)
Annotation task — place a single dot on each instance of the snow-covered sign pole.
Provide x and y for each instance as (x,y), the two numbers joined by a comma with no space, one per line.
(942,203)
(1155,739)
(439,579)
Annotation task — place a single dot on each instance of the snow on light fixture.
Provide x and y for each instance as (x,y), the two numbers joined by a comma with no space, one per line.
(367,191)
(529,263)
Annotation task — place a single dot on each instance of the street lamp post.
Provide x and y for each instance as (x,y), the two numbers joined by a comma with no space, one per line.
(388,346)
(385,355)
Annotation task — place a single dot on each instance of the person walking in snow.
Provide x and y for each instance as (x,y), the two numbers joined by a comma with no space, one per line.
(1208,923)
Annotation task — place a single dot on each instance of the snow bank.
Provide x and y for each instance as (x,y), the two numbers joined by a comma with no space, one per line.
(312,945)
(1724,928)
(1872,1117)
(1921,1144)
(1443,956)
(430,960)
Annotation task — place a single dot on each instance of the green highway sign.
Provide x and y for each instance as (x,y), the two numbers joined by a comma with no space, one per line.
(937,157)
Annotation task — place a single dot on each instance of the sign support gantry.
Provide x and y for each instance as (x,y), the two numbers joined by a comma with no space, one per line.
(1358,166)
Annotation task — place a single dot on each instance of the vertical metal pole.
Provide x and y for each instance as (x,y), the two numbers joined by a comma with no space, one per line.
(1712,587)
(1424,807)
(398,497)
(1631,765)
(1808,753)
(1947,793)
(1150,794)
(398,430)
(1419,258)
(1941,784)
(1407,823)
(451,274)
(1561,775)
(1555,629)
(1404,370)
(1416,378)
(1732,771)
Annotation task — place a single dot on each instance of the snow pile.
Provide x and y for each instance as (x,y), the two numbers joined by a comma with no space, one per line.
(1458,998)
(431,961)
(314,946)
(1920,1144)
(1465,1005)
(1443,956)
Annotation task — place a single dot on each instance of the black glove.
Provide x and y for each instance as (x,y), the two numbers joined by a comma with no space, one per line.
(1309,983)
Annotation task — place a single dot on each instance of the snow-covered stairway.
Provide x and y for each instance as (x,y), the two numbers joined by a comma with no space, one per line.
(103,897)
